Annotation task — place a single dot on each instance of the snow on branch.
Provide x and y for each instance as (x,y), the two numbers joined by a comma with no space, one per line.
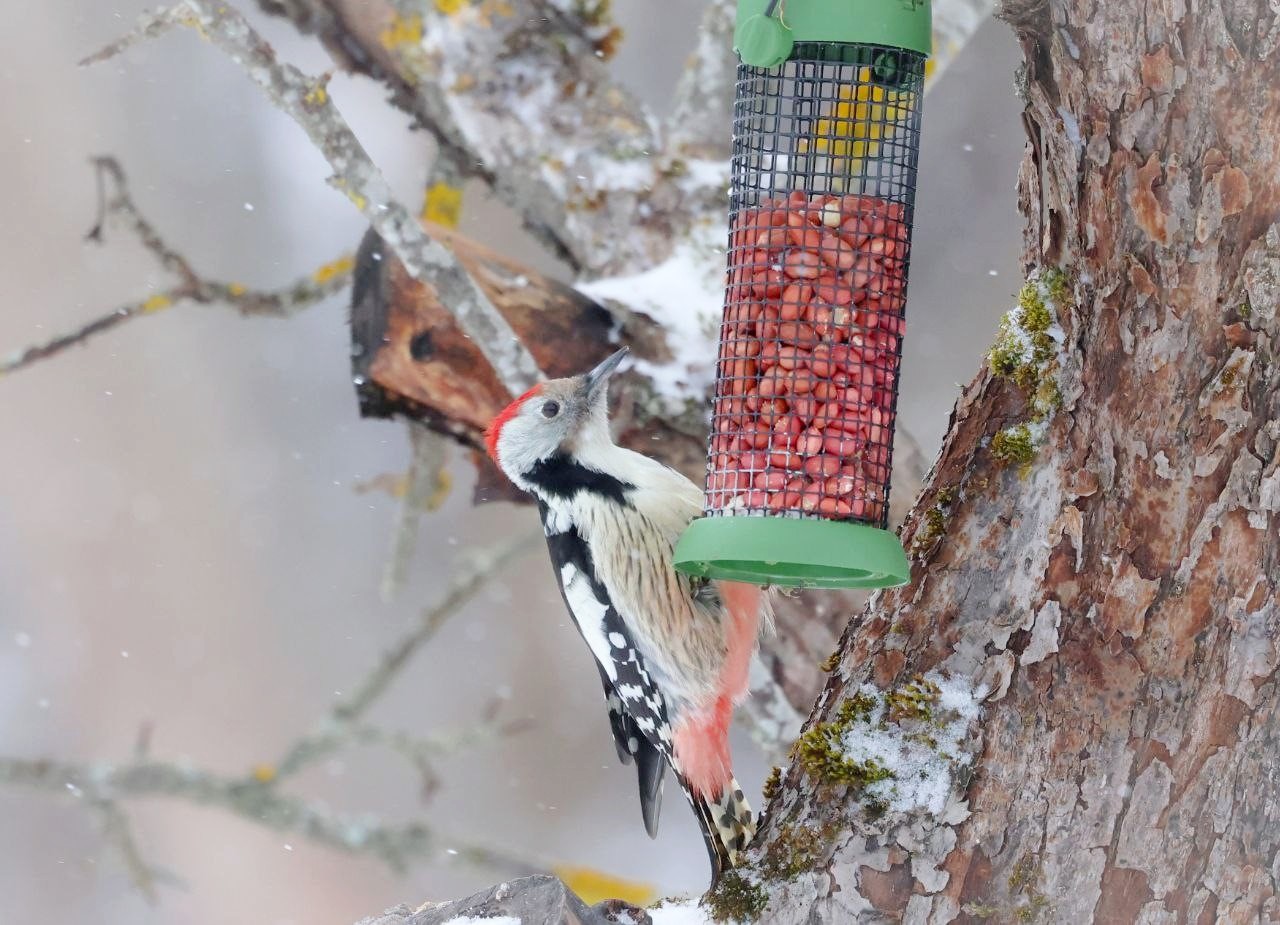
(704,95)
(258,797)
(520,92)
(307,101)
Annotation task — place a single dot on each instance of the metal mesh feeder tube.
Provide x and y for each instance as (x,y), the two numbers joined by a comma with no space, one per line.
(825,147)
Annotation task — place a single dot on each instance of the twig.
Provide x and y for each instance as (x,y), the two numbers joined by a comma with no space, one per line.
(258,797)
(343,726)
(280,303)
(117,201)
(252,800)
(466,582)
(421,752)
(307,101)
(426,485)
(117,830)
(114,200)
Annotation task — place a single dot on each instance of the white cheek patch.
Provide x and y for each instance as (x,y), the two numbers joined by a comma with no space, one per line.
(589,613)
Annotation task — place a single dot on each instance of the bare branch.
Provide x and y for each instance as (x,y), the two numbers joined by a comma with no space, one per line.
(254,801)
(258,798)
(346,713)
(329,279)
(119,833)
(117,201)
(114,200)
(426,486)
(307,101)
(467,580)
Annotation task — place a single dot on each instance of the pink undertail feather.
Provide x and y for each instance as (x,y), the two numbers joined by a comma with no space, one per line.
(702,735)
(743,606)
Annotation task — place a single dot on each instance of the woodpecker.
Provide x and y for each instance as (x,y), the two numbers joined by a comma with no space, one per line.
(673,651)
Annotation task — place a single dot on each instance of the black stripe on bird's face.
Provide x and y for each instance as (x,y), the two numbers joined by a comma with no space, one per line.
(560,476)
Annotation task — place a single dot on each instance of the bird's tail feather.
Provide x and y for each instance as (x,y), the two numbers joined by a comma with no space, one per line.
(727,824)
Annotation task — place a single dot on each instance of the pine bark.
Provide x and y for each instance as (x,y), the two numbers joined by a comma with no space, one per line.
(1113,602)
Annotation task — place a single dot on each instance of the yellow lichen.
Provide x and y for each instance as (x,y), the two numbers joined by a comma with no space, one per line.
(931,530)
(333,269)
(263,773)
(156,303)
(442,204)
(235,290)
(402,31)
(450,7)
(934,521)
(318,95)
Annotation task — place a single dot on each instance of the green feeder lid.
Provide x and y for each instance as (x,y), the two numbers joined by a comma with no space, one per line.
(792,552)
(768,29)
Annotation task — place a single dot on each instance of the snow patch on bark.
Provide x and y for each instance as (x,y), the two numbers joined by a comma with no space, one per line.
(920,756)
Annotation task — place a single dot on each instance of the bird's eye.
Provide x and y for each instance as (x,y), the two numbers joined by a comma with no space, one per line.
(550,409)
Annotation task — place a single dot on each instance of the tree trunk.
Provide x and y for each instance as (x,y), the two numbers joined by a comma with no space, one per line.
(1105,592)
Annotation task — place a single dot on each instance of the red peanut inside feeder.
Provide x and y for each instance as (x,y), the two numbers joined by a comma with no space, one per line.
(808,367)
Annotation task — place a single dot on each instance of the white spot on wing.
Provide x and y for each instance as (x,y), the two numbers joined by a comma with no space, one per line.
(556,521)
(619,641)
(589,613)
(632,692)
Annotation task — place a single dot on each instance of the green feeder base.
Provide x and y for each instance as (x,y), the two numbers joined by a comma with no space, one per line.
(792,552)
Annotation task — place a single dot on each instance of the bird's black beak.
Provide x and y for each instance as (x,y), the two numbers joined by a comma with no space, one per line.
(595,382)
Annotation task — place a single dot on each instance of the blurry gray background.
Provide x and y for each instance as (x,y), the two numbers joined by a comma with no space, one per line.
(181,543)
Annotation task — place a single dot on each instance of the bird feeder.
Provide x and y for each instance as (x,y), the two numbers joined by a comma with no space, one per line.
(826,137)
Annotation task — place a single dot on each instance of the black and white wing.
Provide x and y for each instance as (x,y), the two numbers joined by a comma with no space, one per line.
(637,711)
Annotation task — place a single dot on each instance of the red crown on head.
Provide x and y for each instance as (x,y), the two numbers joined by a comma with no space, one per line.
(494,430)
